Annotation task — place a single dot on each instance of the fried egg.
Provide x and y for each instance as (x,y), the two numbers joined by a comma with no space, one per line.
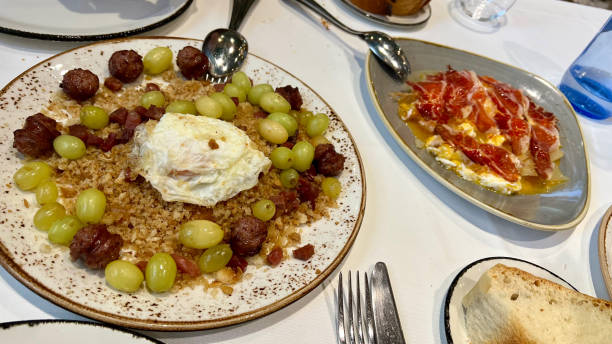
(196,159)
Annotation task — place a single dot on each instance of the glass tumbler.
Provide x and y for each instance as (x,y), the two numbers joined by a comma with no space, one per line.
(484,10)
(587,83)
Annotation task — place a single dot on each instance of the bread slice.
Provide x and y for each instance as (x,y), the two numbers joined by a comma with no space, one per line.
(511,306)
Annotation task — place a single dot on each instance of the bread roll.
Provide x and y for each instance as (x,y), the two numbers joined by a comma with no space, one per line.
(511,306)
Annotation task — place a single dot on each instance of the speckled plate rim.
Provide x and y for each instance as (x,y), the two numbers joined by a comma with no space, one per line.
(451,288)
(16,271)
(455,189)
(383,19)
(97,37)
(11,324)
(603,255)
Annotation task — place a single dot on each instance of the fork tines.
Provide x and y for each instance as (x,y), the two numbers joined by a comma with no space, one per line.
(215,80)
(353,326)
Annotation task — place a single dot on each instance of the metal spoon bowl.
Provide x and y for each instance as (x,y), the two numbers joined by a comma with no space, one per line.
(226,49)
(381,44)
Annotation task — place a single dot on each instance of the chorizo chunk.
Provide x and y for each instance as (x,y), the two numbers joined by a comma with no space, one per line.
(150,86)
(125,65)
(36,137)
(186,266)
(275,256)
(237,262)
(96,246)
(293,96)
(308,191)
(285,202)
(248,235)
(327,161)
(113,83)
(80,84)
(304,253)
(118,116)
(79,131)
(192,62)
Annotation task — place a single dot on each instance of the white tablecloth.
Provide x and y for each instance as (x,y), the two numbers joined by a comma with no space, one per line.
(424,232)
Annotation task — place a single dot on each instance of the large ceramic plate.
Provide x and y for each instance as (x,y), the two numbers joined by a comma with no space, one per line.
(26,253)
(605,249)
(68,332)
(561,209)
(466,279)
(89,20)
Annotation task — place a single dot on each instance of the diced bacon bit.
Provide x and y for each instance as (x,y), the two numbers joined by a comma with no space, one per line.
(186,266)
(275,256)
(118,116)
(142,265)
(497,159)
(304,253)
(141,110)
(151,87)
(219,87)
(237,262)
(124,136)
(79,131)
(235,100)
(308,191)
(113,83)
(109,142)
(94,140)
(260,114)
(132,120)
(292,95)
(154,112)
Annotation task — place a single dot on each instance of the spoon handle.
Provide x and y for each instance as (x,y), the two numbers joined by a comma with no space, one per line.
(323,12)
(239,11)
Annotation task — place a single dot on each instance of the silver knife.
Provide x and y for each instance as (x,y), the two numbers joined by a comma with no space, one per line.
(386,320)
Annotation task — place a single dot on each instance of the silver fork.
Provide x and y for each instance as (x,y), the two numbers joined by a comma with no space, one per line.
(353,327)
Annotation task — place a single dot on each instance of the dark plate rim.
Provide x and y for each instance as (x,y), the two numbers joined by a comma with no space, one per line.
(10,324)
(451,288)
(436,176)
(62,301)
(96,37)
(381,19)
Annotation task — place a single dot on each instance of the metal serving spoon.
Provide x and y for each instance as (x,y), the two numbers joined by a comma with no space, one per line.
(226,49)
(381,44)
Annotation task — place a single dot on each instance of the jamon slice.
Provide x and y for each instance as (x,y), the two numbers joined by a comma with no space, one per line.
(430,104)
(544,139)
(497,159)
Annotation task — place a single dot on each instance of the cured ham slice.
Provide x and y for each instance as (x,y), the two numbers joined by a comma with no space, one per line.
(544,139)
(496,158)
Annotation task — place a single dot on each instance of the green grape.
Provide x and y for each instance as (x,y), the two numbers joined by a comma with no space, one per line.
(200,234)
(257,91)
(318,140)
(157,60)
(48,214)
(123,276)
(289,178)
(94,117)
(272,131)
(69,147)
(282,158)
(233,91)
(331,187)
(294,113)
(317,124)
(303,153)
(46,192)
(160,272)
(241,80)
(215,258)
(32,174)
(304,116)
(153,98)
(181,106)
(90,205)
(227,105)
(285,120)
(274,102)
(62,231)
(264,209)
(208,107)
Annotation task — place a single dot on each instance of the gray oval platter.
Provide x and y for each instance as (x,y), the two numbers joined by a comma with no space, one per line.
(563,208)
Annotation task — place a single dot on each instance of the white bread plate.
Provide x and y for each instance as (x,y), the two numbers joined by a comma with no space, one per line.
(605,249)
(466,279)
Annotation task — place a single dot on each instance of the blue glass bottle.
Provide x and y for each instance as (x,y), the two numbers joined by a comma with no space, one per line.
(587,83)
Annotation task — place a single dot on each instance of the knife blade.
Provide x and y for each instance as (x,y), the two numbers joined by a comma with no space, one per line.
(386,320)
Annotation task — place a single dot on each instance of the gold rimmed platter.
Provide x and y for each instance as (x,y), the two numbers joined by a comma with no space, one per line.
(562,208)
